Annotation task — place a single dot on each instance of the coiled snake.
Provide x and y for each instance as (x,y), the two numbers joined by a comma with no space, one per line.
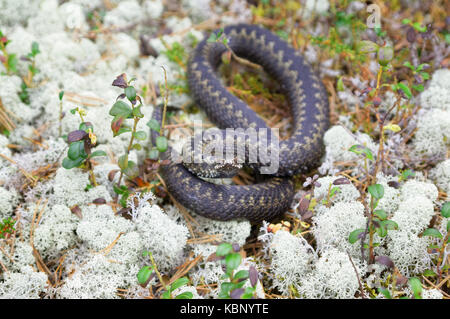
(299,153)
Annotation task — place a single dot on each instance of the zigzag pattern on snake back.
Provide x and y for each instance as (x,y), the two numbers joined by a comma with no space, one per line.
(298,154)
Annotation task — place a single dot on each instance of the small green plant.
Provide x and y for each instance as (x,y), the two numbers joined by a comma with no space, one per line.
(32,69)
(389,288)
(7,59)
(146,273)
(123,111)
(406,174)
(27,81)
(161,143)
(176,53)
(378,223)
(233,288)
(366,153)
(416,287)
(81,142)
(10,61)
(60,96)
(416,25)
(441,266)
(333,189)
(419,76)
(7,227)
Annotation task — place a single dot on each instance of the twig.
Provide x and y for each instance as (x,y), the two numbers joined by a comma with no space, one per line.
(357,276)
(105,251)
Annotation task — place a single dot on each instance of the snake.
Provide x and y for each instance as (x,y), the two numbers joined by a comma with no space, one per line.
(301,152)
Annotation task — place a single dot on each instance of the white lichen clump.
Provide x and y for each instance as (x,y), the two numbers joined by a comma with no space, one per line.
(332,226)
(291,258)
(433,128)
(441,174)
(56,232)
(98,277)
(26,284)
(333,277)
(8,200)
(338,141)
(162,236)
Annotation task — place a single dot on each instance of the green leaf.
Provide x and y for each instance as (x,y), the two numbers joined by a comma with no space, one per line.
(425,75)
(405,89)
(419,27)
(407,173)
(180,282)
(376,190)
(448,227)
(137,112)
(67,163)
(121,109)
(392,127)
(224,249)
(248,293)
(340,85)
(161,143)
(132,170)
(130,92)
(241,274)
(416,287)
(98,153)
(123,129)
(432,232)
(225,289)
(381,231)
(389,224)
(418,87)
(361,149)
(166,295)
(334,191)
(137,146)
(140,135)
(154,125)
(385,293)
(84,126)
(123,162)
(119,190)
(35,48)
(185,295)
(12,62)
(153,154)
(232,261)
(124,198)
(409,65)
(144,274)
(61,95)
(445,210)
(380,213)
(353,237)
(367,46)
(429,273)
(239,284)
(76,151)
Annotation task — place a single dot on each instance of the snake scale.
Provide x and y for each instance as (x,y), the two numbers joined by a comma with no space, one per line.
(297,154)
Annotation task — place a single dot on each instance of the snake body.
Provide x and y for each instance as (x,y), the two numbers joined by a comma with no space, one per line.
(298,154)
